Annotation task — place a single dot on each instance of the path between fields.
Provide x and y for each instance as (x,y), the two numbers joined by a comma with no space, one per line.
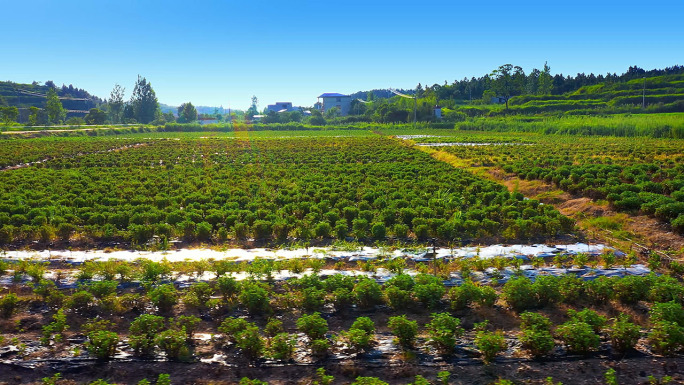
(645,233)
(28,164)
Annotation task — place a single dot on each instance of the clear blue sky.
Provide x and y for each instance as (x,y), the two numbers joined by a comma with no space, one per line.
(223,52)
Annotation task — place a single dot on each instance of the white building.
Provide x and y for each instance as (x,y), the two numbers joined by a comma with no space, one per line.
(330,100)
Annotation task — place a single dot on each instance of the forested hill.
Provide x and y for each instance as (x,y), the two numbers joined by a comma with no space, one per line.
(24,96)
(532,83)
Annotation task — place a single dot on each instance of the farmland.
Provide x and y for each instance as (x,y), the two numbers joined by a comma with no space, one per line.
(430,303)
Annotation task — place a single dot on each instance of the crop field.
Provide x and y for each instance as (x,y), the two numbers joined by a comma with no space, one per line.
(392,272)
(634,175)
(269,189)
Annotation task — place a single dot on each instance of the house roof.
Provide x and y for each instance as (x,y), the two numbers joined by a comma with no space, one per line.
(333,95)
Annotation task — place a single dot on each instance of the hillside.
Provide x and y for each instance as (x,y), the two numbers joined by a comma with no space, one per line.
(77,101)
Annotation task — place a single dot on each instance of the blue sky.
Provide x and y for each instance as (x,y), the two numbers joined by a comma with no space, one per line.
(223,52)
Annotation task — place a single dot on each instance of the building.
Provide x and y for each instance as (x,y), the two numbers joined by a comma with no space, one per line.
(281,107)
(330,100)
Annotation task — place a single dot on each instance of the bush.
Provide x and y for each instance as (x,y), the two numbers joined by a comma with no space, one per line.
(250,342)
(282,346)
(538,342)
(320,347)
(368,381)
(80,302)
(443,331)
(464,296)
(227,286)
(405,330)
(357,339)
(519,294)
(55,328)
(666,337)
(174,344)
(490,344)
(397,298)
(273,327)
(254,297)
(624,335)
(590,317)
(102,344)
(188,323)
(429,293)
(142,333)
(534,321)
(8,305)
(365,324)
(313,325)
(312,298)
(668,311)
(164,297)
(102,289)
(578,336)
(231,327)
(367,293)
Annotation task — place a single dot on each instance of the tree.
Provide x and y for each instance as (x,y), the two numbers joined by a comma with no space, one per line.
(95,116)
(144,101)
(187,113)
(55,111)
(116,104)
(253,109)
(507,81)
(545,81)
(8,115)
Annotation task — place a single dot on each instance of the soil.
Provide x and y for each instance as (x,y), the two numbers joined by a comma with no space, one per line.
(630,370)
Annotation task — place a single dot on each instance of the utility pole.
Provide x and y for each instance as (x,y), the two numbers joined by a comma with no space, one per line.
(643,100)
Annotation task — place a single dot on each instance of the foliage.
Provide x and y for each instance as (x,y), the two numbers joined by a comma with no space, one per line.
(164,297)
(173,342)
(443,330)
(281,346)
(624,335)
(102,344)
(404,329)
(8,305)
(313,325)
(578,336)
(490,344)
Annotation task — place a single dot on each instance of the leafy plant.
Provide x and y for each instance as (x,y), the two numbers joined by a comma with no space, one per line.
(404,329)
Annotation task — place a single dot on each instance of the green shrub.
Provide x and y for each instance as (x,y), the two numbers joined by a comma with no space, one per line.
(320,347)
(312,298)
(164,297)
(668,311)
(519,294)
(250,342)
(490,344)
(254,297)
(578,336)
(368,381)
(102,344)
(80,302)
(188,323)
(429,293)
(546,290)
(397,298)
(534,321)
(142,333)
(590,317)
(273,327)
(537,341)
(313,325)
(365,324)
(102,289)
(54,329)
(8,305)
(405,330)
(357,339)
(282,346)
(227,286)
(666,337)
(367,293)
(231,327)
(174,344)
(624,335)
(443,330)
